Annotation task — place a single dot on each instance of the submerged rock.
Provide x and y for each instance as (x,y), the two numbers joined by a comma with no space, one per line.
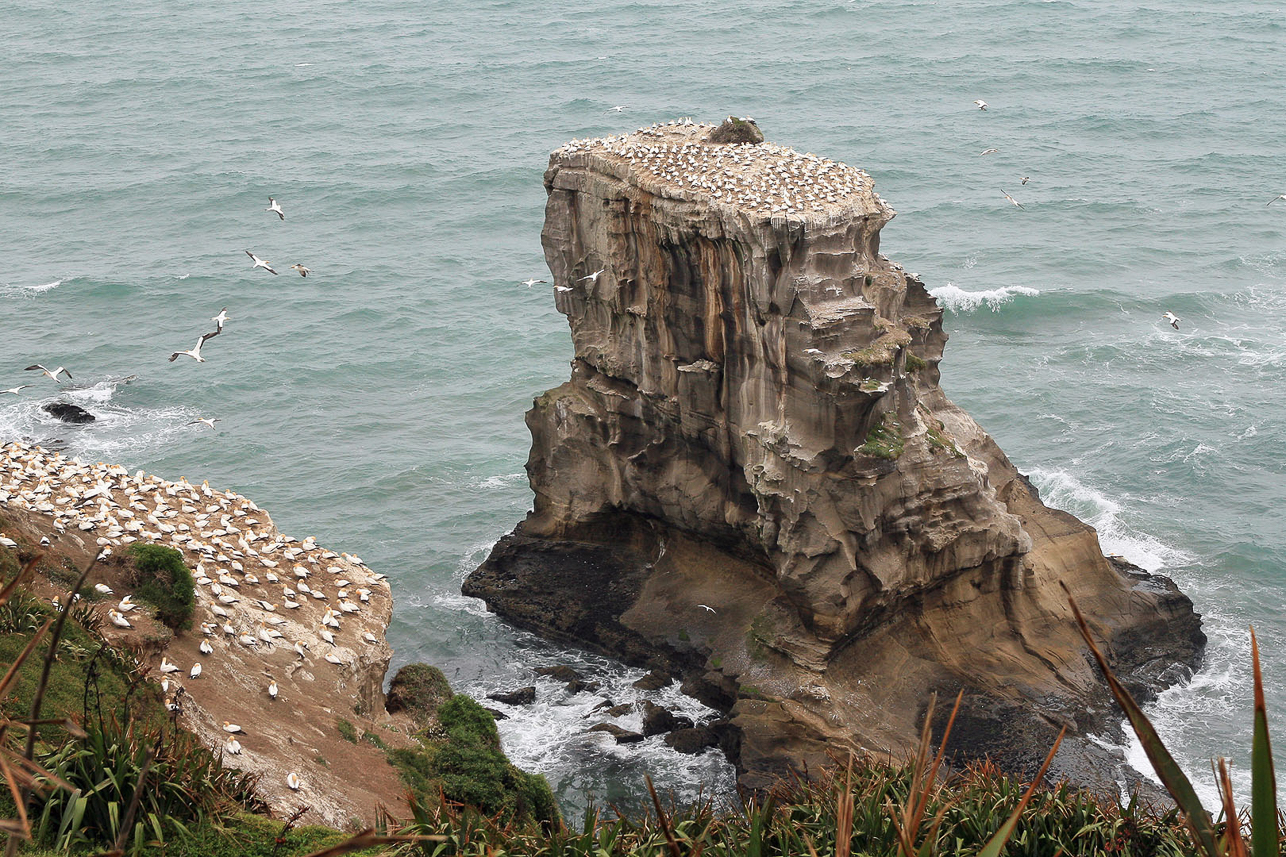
(521,696)
(752,478)
(622,736)
(68,413)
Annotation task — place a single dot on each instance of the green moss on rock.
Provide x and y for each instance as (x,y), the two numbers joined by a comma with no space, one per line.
(419,690)
(884,440)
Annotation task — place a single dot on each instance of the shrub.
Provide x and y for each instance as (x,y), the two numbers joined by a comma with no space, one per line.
(163,581)
(418,689)
(347,730)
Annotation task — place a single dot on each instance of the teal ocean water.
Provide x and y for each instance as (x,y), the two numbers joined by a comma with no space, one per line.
(378,403)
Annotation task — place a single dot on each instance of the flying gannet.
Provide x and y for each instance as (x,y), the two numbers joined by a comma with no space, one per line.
(275,207)
(1173,319)
(303,272)
(53,374)
(988,152)
(259,263)
(532,281)
(593,278)
(221,318)
(1274,199)
(195,353)
(982,105)
(14,390)
(209,422)
(1014,201)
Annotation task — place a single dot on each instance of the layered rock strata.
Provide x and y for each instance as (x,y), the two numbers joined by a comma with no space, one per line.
(753,479)
(271,610)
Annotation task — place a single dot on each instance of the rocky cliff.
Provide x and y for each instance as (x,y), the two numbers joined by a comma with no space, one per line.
(753,479)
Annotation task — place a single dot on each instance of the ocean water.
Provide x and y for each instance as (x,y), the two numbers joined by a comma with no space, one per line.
(378,403)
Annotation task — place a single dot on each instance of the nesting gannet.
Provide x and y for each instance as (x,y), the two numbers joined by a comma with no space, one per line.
(326,635)
(333,658)
(292,780)
(259,263)
(593,278)
(102,589)
(231,727)
(369,637)
(127,604)
(14,390)
(118,620)
(206,648)
(982,105)
(275,207)
(232,746)
(195,353)
(8,542)
(54,374)
(272,689)
(168,666)
(1173,319)
(196,670)
(1014,201)
(532,281)
(1274,199)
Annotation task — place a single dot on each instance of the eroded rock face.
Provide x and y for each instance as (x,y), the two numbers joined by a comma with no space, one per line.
(753,450)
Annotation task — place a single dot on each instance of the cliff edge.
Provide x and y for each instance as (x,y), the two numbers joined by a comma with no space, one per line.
(753,480)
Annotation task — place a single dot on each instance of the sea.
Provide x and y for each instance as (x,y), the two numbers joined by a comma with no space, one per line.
(378,403)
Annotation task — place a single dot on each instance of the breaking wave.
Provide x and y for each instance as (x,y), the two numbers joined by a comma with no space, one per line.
(956,299)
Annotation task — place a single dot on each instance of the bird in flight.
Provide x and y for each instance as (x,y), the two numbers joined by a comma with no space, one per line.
(982,105)
(1172,318)
(593,278)
(562,288)
(1274,199)
(706,607)
(1014,201)
(220,318)
(532,281)
(259,263)
(53,374)
(303,272)
(195,353)
(988,152)
(209,422)
(14,390)
(275,207)
(1026,179)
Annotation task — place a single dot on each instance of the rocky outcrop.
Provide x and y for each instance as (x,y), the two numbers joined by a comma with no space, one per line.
(68,413)
(753,480)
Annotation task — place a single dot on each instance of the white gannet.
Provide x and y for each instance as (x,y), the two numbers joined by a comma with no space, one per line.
(292,780)
(118,620)
(102,589)
(988,152)
(231,727)
(168,666)
(232,746)
(275,207)
(369,637)
(272,689)
(1014,201)
(303,272)
(196,670)
(203,421)
(334,659)
(620,108)
(206,648)
(127,604)
(707,608)
(1270,202)
(532,281)
(54,374)
(195,353)
(562,288)
(593,278)
(1026,179)
(982,105)
(1173,319)
(259,263)
(8,542)
(326,635)
(14,390)
(220,318)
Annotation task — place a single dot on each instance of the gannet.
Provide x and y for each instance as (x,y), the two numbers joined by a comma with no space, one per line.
(1014,201)
(54,374)
(220,318)
(1173,319)
(102,589)
(326,635)
(168,666)
(1270,202)
(196,670)
(707,608)
(562,288)
(1026,179)
(118,620)
(206,648)
(8,542)
(14,390)
(292,780)
(126,604)
(231,727)
(982,105)
(334,658)
(195,353)
(259,263)
(533,281)
(232,746)
(593,278)
(988,151)
(275,207)
(272,689)
(369,637)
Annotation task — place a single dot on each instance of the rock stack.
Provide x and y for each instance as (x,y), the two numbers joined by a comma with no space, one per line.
(752,478)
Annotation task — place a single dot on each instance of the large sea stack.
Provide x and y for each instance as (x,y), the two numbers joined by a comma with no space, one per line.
(753,481)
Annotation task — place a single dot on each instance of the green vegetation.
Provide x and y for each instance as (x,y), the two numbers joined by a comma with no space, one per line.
(683,635)
(418,689)
(884,440)
(466,765)
(347,730)
(913,363)
(163,581)
(940,443)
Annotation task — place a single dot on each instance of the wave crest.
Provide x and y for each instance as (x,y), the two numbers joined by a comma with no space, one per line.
(956,299)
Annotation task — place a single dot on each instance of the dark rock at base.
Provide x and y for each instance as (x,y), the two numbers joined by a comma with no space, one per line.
(734,130)
(655,680)
(68,412)
(496,713)
(521,696)
(578,686)
(620,710)
(622,736)
(562,673)
(692,741)
(656,719)
(606,703)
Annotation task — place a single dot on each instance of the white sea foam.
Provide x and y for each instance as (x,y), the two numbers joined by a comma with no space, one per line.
(506,480)
(10,290)
(956,299)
